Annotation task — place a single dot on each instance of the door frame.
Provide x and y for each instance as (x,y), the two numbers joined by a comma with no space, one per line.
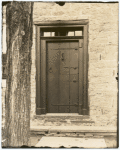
(41,69)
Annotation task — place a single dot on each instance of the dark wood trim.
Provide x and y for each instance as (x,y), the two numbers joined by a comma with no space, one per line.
(62,22)
(69,26)
(61,40)
(43,76)
(41,69)
(80,75)
(63,37)
(4,62)
(38,89)
(85,62)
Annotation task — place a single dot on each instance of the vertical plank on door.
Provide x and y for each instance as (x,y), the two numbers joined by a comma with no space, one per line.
(52,77)
(80,75)
(64,78)
(43,77)
(73,76)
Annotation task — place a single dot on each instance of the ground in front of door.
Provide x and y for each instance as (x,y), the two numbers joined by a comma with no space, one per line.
(64,141)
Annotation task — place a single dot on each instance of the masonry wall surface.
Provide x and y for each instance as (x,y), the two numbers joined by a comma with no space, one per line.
(102,49)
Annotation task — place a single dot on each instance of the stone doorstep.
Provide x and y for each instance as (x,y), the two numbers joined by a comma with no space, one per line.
(87,130)
(61,116)
(72,121)
(64,118)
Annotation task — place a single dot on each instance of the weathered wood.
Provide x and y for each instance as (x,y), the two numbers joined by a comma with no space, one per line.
(63,22)
(52,77)
(19,42)
(85,82)
(83,55)
(74,79)
(43,77)
(80,75)
(38,74)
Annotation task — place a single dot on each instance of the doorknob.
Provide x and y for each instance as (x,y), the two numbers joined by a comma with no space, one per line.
(62,56)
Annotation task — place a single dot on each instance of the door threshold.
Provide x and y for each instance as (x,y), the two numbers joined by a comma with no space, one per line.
(62,114)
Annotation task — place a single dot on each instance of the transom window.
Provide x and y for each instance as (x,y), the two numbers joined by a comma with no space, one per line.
(61,31)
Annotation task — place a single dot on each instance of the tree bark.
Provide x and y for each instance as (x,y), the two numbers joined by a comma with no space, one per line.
(17,101)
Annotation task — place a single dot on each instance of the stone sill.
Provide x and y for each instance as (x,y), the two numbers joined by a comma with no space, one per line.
(63,115)
(72,118)
(76,129)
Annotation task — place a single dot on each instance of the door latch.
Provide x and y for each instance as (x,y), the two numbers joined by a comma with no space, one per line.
(62,56)
(50,70)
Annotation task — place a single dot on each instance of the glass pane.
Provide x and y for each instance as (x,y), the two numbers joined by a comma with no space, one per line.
(70,33)
(52,33)
(78,33)
(46,34)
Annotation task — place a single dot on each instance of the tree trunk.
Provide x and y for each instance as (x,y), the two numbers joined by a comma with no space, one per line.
(19,42)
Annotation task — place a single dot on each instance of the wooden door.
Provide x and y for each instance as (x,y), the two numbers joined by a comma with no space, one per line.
(62,77)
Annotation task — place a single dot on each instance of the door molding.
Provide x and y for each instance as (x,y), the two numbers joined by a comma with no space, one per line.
(83,64)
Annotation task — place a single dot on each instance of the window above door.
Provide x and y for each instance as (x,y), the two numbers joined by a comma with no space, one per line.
(61,31)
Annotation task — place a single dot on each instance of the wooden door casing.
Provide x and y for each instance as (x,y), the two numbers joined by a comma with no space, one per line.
(41,101)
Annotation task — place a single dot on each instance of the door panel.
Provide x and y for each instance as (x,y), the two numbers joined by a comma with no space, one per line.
(62,77)
(73,70)
(74,45)
(74,97)
(63,45)
(74,58)
(52,46)
(74,77)
(64,62)
(64,96)
(52,79)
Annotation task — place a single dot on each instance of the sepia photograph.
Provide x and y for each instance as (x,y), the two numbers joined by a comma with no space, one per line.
(59,82)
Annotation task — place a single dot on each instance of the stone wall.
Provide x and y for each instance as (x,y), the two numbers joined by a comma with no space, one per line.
(103,53)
